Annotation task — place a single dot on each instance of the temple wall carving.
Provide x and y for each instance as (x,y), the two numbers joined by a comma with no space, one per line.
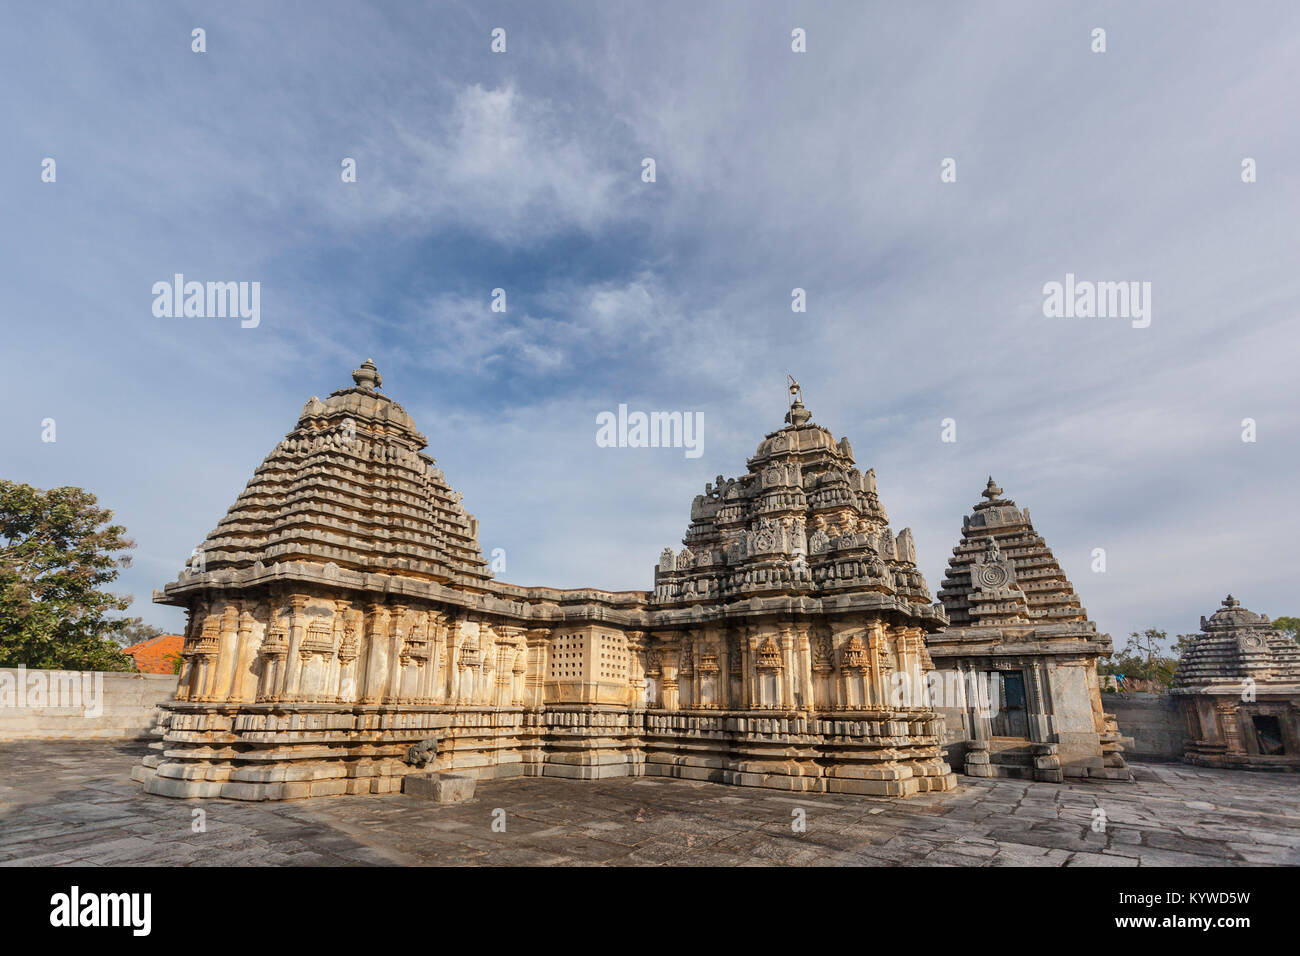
(343,631)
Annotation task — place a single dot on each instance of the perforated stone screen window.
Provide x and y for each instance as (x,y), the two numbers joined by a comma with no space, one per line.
(567,654)
(613,659)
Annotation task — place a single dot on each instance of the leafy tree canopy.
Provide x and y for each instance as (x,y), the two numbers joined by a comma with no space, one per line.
(1144,657)
(136,630)
(1290,626)
(57,549)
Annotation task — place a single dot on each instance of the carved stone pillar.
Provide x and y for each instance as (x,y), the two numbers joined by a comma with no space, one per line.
(709,672)
(454,630)
(244,656)
(903,655)
(507,650)
(376,669)
(227,659)
(636,667)
(193,621)
(878,660)
(855,664)
(518,669)
(297,631)
(977,693)
(823,666)
(654,671)
(769,680)
(737,684)
(205,652)
(338,631)
(535,679)
(350,644)
(788,669)
(273,653)
(434,624)
(1227,714)
(750,644)
(803,671)
(396,638)
(1038,709)
(669,669)
(687,694)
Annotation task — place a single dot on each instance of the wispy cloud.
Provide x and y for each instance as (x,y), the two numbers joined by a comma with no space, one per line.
(775,170)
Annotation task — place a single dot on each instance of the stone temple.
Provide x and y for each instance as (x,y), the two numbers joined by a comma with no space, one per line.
(1020,657)
(344,632)
(1238,686)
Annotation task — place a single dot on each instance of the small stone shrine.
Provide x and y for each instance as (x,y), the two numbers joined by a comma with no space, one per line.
(1238,686)
(1017,676)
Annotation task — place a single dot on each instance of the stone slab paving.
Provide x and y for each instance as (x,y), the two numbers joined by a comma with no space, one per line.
(66,803)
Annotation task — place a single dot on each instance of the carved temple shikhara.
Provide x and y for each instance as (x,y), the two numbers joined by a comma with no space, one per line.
(1238,688)
(344,631)
(1025,653)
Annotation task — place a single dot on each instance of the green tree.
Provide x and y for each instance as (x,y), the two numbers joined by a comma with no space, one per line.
(1183,643)
(1146,645)
(135,631)
(1144,658)
(57,549)
(1290,626)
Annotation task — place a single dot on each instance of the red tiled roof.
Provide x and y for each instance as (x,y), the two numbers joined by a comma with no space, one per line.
(156,655)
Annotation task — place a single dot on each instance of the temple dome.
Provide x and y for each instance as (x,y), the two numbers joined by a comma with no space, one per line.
(1232,614)
(369,410)
(802,438)
(803,523)
(797,440)
(1237,644)
(349,486)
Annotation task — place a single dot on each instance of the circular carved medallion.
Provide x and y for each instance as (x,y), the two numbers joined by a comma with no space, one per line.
(991,577)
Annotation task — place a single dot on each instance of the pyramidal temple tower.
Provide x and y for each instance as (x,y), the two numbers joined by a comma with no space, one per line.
(344,636)
(792,598)
(1238,686)
(351,487)
(1020,657)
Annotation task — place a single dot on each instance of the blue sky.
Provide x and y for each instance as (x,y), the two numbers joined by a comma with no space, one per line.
(775,170)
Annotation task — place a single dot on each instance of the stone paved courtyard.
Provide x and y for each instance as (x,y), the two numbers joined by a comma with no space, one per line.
(73,803)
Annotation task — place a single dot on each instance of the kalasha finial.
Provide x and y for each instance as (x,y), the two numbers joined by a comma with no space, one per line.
(1231,601)
(797,415)
(991,490)
(367,376)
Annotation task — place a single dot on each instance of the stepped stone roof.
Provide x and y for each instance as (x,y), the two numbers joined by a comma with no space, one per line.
(1003,573)
(1238,644)
(352,486)
(349,500)
(803,522)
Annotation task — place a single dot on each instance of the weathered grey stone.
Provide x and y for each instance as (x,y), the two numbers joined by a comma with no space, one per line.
(1017,667)
(1238,686)
(439,787)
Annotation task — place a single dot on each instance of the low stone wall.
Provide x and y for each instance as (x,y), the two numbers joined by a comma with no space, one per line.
(41,704)
(1154,723)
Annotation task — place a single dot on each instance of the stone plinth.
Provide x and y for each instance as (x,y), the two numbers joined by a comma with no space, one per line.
(439,787)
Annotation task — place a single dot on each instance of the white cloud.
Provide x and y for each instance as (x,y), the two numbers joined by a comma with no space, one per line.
(504,164)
